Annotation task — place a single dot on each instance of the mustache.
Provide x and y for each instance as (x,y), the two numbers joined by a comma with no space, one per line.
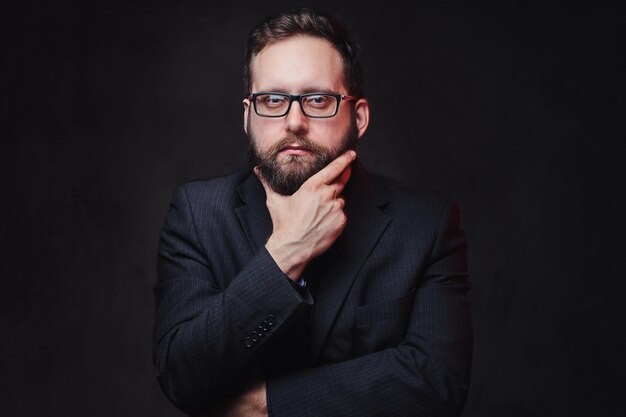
(300,141)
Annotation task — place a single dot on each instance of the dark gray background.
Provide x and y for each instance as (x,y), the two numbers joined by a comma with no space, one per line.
(515,108)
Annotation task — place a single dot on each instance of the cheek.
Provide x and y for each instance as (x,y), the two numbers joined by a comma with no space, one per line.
(330,134)
(264,131)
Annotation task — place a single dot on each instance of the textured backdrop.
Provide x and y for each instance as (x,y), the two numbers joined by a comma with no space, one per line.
(515,108)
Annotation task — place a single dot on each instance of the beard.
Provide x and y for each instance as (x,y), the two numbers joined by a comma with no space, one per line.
(287,175)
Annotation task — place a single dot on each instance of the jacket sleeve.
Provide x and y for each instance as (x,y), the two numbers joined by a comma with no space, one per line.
(427,374)
(207,338)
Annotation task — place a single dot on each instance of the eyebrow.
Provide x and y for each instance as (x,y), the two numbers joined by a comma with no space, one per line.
(303,91)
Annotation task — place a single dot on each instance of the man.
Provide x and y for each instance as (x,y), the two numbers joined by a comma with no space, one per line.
(306,286)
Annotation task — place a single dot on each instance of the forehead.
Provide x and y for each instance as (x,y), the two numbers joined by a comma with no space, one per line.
(298,64)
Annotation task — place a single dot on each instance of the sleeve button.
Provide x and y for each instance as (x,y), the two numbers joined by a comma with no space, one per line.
(247,342)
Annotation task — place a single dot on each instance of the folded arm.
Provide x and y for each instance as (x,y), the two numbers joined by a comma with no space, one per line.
(427,374)
(207,339)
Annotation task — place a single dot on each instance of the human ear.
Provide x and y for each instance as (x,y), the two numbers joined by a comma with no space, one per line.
(362,113)
(246,110)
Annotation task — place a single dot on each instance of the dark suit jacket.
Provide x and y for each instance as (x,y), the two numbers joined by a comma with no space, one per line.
(382,329)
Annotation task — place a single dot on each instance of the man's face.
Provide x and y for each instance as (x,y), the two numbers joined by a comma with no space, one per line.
(290,149)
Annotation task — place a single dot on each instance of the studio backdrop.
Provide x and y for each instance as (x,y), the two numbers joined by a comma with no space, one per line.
(514,108)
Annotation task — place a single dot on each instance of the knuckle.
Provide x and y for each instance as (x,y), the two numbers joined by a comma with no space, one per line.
(328,192)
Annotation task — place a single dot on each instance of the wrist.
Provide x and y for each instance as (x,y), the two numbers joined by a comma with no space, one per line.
(288,256)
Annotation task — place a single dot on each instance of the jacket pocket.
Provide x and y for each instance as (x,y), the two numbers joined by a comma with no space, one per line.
(381,325)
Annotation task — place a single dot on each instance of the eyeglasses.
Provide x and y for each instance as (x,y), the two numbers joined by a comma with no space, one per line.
(317,105)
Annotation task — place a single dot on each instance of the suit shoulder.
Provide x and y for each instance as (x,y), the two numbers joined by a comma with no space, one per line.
(217,192)
(413,198)
(419,210)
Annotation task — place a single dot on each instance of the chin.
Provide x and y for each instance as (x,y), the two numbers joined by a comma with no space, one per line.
(295,159)
(296,163)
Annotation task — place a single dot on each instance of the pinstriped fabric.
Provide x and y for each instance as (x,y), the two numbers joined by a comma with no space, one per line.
(389,319)
(207,305)
(402,343)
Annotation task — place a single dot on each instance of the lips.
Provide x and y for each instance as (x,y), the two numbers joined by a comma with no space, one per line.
(296,147)
(295,150)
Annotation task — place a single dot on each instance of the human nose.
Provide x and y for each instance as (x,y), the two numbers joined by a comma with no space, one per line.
(296,122)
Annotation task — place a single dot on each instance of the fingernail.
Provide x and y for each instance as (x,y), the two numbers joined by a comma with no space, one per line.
(352,154)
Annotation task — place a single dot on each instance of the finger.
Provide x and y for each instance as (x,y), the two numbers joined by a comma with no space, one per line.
(342,202)
(329,173)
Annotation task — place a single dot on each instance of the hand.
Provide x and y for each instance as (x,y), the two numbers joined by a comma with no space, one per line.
(252,402)
(308,222)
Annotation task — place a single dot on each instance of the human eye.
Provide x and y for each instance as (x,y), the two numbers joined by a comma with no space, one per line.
(319,100)
(272,100)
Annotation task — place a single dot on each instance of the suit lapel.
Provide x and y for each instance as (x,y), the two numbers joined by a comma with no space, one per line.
(342,262)
(253,215)
(338,267)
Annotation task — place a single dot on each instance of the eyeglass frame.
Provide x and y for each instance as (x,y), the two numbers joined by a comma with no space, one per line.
(298,97)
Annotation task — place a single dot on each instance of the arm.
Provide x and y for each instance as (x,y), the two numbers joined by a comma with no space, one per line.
(427,374)
(202,345)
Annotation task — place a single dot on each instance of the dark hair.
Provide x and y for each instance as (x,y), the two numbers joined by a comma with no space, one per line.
(307,22)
